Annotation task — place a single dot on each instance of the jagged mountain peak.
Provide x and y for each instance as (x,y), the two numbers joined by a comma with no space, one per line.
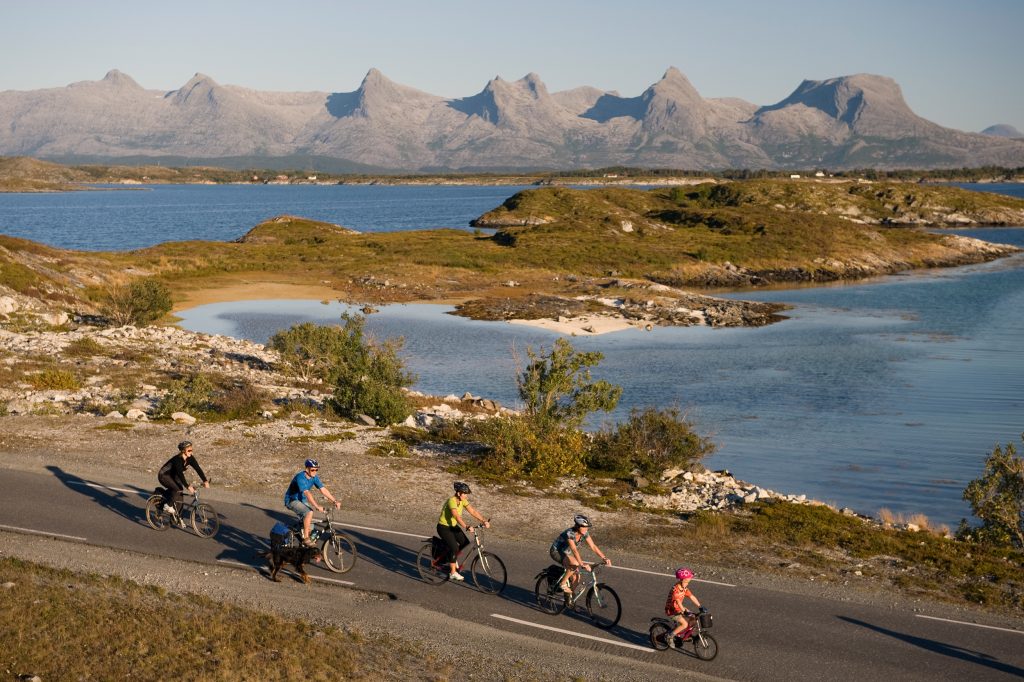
(847,98)
(120,79)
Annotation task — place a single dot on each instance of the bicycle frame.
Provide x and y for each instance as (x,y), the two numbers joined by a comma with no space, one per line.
(583,586)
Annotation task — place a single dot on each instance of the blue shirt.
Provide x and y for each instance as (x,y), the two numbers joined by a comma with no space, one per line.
(298,487)
(561,543)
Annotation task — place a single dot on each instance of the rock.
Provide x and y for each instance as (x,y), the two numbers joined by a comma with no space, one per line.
(8,305)
(640,481)
(468,396)
(488,404)
(410,422)
(452,398)
(136,415)
(56,319)
(913,527)
(114,415)
(19,406)
(8,585)
(267,414)
(366,419)
(183,418)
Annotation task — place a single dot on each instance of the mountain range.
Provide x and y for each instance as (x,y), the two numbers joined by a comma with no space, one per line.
(854,121)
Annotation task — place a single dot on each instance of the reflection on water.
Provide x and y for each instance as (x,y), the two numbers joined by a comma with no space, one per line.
(888,394)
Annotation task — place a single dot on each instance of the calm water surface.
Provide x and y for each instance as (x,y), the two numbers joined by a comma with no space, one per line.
(885,394)
(121,220)
(889,393)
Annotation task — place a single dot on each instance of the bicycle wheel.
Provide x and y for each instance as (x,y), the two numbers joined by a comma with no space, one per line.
(339,552)
(604,606)
(659,636)
(705,646)
(205,521)
(429,571)
(156,517)
(550,597)
(488,572)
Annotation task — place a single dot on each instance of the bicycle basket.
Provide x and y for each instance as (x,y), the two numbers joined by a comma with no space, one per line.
(705,620)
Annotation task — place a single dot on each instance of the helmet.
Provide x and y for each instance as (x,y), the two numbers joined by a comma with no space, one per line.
(184,444)
(581,521)
(312,464)
(461,487)
(683,574)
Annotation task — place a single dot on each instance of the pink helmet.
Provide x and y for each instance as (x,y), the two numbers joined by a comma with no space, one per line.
(683,574)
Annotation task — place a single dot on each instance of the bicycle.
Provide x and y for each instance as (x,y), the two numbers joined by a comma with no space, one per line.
(602,602)
(338,548)
(705,647)
(203,517)
(487,569)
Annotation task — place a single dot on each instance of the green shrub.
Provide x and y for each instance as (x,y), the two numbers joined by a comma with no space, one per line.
(138,303)
(241,400)
(650,441)
(997,498)
(390,447)
(194,395)
(55,380)
(369,378)
(558,391)
(85,347)
(514,449)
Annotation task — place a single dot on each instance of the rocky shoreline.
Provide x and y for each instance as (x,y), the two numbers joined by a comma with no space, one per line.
(111,400)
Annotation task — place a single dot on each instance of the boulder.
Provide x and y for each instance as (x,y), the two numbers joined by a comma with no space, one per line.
(136,415)
(114,415)
(366,419)
(183,418)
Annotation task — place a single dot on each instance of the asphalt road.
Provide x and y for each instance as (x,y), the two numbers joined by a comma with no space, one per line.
(762,634)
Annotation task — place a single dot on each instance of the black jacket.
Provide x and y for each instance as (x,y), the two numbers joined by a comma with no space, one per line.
(174,468)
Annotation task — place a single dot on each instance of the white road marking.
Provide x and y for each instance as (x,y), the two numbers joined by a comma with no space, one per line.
(256,568)
(669,575)
(975,625)
(603,640)
(42,532)
(421,536)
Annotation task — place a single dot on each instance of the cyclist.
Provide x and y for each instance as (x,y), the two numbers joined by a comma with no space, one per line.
(172,477)
(451,525)
(566,551)
(299,497)
(674,606)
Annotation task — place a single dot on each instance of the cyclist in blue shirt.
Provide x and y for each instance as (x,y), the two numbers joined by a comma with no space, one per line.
(300,500)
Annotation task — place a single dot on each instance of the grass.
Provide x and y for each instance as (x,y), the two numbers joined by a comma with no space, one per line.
(325,438)
(109,628)
(823,539)
(54,380)
(116,426)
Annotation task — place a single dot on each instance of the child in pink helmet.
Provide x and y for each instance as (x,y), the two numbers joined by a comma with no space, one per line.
(674,606)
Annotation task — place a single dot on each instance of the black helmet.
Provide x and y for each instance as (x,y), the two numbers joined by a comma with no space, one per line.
(581,521)
(461,487)
(312,464)
(184,444)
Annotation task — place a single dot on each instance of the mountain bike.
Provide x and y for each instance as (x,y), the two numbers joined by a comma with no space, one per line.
(602,603)
(202,516)
(338,548)
(704,645)
(487,569)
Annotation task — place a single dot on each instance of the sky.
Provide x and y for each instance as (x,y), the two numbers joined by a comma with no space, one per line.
(959,64)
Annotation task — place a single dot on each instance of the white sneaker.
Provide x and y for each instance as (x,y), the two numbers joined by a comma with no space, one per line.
(457,577)
(169,509)
(181,523)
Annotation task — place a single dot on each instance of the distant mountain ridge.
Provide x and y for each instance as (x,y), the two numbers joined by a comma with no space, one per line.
(850,121)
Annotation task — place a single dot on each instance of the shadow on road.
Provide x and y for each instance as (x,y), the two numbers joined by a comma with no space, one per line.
(123,504)
(976,657)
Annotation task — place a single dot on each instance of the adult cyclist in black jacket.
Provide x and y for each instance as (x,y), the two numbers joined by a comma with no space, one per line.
(172,476)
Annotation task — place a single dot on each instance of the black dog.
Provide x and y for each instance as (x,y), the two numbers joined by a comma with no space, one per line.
(281,553)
